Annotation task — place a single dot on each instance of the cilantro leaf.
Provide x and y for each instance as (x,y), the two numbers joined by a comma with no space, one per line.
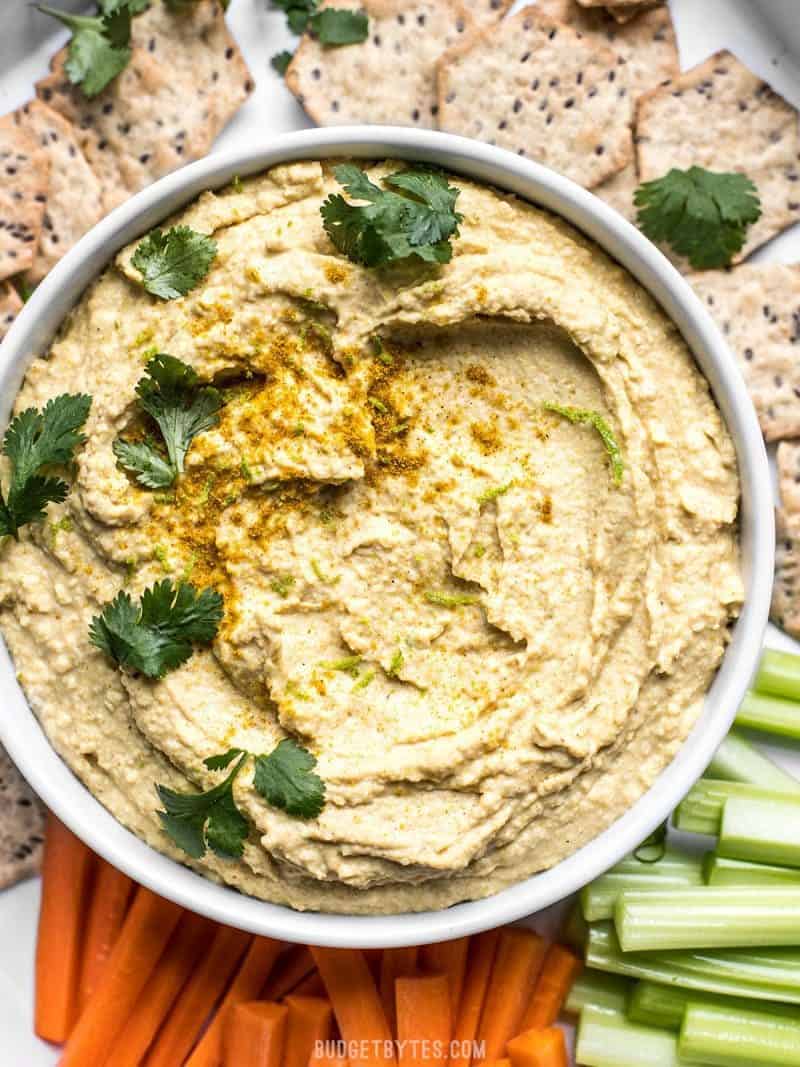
(99,48)
(111,7)
(171,394)
(418,219)
(219,763)
(280,62)
(160,632)
(297,12)
(701,214)
(285,779)
(596,420)
(335,26)
(35,440)
(197,821)
(174,262)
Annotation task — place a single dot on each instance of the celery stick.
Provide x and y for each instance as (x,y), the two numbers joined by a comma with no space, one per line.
(603,992)
(721,871)
(763,830)
(779,673)
(763,974)
(700,811)
(574,930)
(673,869)
(606,1040)
(739,761)
(728,1036)
(651,1004)
(771,714)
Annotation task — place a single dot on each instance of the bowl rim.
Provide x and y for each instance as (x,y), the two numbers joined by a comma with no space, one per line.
(72,802)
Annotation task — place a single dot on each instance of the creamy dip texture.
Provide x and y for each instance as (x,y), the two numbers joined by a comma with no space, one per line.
(431,580)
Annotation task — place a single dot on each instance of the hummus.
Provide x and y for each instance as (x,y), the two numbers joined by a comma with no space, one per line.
(431,579)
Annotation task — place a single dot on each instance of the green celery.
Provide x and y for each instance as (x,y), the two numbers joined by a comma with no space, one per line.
(603,992)
(700,811)
(771,714)
(721,871)
(762,830)
(609,1040)
(729,1036)
(779,674)
(738,760)
(673,869)
(659,1005)
(574,930)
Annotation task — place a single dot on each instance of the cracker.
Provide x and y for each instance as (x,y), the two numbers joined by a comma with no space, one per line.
(391,77)
(618,190)
(540,89)
(757,307)
(785,611)
(74,198)
(721,116)
(21,825)
(185,80)
(487,12)
(10,306)
(25,171)
(625,14)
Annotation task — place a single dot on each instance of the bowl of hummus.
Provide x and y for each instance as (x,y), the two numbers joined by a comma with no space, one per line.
(413,544)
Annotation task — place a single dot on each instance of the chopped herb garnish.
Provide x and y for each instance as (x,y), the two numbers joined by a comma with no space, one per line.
(327,579)
(493,493)
(396,664)
(364,680)
(653,848)
(196,821)
(596,420)
(479,551)
(99,48)
(378,404)
(282,584)
(174,262)
(450,600)
(349,664)
(286,780)
(280,62)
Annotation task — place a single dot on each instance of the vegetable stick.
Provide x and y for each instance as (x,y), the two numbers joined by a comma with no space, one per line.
(761,831)
(310,1019)
(739,761)
(448,958)
(673,869)
(479,965)
(156,999)
(538,1048)
(720,871)
(594,989)
(396,963)
(770,714)
(520,954)
(606,1040)
(505,1062)
(145,933)
(779,673)
(327,1061)
(311,986)
(374,956)
(289,972)
(66,870)
(731,1036)
(199,997)
(254,1035)
(664,1006)
(356,1004)
(246,985)
(424,1012)
(560,969)
(110,896)
(700,811)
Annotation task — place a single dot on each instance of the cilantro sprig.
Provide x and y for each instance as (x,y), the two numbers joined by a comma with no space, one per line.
(701,214)
(173,263)
(332,26)
(285,778)
(34,441)
(181,407)
(594,419)
(414,216)
(160,632)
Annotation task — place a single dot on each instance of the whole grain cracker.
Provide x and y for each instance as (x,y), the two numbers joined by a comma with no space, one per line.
(723,117)
(487,12)
(757,307)
(25,171)
(785,609)
(10,306)
(618,190)
(538,88)
(21,825)
(625,14)
(391,77)
(74,198)
(185,80)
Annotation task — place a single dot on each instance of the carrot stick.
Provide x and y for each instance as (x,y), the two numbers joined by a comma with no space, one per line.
(479,966)
(156,999)
(330,1061)
(248,983)
(396,963)
(311,986)
(560,969)
(423,1019)
(290,971)
(144,935)
(199,997)
(538,1048)
(110,896)
(66,871)
(374,956)
(310,1020)
(450,958)
(254,1035)
(519,958)
(356,1004)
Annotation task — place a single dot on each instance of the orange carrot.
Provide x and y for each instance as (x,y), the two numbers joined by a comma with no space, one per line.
(199,997)
(254,1035)
(560,969)
(374,956)
(156,999)
(479,966)
(519,958)
(311,986)
(396,963)
(329,1061)
(498,1063)
(450,958)
(110,896)
(310,1020)
(246,986)
(356,1004)
(289,972)
(66,870)
(538,1048)
(145,933)
(423,1019)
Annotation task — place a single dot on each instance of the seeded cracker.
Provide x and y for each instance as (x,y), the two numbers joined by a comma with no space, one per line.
(21,825)
(185,80)
(556,97)
(10,306)
(723,117)
(25,170)
(757,307)
(785,611)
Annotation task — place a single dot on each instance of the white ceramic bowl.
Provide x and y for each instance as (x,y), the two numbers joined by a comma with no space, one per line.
(31,335)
